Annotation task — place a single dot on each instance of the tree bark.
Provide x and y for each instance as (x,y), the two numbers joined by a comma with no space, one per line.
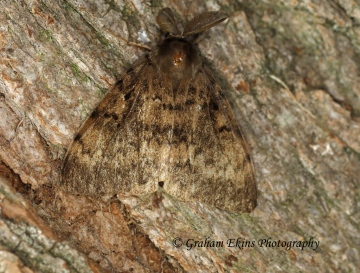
(290,71)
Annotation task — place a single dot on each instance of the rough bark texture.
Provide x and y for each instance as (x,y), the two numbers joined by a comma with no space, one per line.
(291,71)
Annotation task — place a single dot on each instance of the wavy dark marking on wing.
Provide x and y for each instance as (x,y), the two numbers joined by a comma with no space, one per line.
(165,124)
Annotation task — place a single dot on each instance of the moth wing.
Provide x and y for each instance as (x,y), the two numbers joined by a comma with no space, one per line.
(120,147)
(210,160)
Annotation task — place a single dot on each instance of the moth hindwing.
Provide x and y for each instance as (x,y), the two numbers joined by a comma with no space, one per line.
(165,124)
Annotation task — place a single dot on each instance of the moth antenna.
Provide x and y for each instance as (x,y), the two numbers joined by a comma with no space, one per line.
(203,22)
(166,21)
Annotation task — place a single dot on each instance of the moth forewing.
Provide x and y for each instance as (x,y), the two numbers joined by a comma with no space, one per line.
(165,124)
(211,163)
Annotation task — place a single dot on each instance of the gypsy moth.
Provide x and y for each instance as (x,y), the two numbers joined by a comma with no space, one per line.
(165,124)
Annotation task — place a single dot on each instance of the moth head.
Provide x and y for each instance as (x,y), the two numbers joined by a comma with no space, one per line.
(178,60)
(177,56)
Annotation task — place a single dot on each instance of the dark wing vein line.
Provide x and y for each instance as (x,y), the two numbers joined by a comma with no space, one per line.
(115,133)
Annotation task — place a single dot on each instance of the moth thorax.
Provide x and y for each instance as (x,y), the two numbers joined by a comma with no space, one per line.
(178,59)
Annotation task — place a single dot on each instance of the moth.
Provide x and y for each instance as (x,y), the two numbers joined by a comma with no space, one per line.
(165,124)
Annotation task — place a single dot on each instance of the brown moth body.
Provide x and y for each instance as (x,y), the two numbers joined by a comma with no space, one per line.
(165,124)
(178,60)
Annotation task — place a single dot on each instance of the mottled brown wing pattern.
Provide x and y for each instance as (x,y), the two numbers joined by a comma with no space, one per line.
(165,124)
(209,158)
(120,148)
